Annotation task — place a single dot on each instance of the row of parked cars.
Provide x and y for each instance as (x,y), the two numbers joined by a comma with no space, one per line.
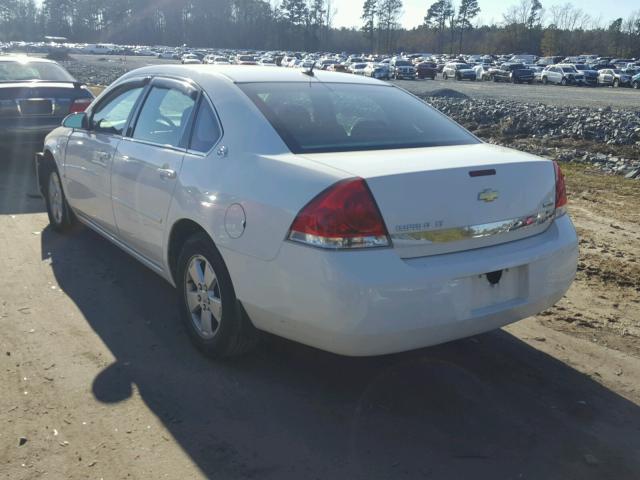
(514,69)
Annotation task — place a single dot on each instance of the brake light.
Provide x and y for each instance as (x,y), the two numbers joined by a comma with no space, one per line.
(343,216)
(80,105)
(561,191)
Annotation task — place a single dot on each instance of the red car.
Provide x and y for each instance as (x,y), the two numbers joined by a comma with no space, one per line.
(426,70)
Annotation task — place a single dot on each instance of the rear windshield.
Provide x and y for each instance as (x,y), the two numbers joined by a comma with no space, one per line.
(22,71)
(333,117)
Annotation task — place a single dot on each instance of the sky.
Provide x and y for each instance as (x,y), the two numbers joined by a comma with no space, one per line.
(349,11)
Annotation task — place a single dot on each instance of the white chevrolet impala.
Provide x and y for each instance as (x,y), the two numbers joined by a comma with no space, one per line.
(334,210)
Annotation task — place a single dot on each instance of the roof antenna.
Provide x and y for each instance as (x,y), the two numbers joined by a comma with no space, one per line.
(310,71)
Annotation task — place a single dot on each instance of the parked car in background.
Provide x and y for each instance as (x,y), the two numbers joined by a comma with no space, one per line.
(614,78)
(402,69)
(35,95)
(190,59)
(458,71)
(219,61)
(377,70)
(590,74)
(267,62)
(426,69)
(246,60)
(562,74)
(514,73)
(357,68)
(334,193)
(168,55)
(338,67)
(482,71)
(537,72)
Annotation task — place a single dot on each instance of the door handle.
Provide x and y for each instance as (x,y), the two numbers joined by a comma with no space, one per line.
(167,173)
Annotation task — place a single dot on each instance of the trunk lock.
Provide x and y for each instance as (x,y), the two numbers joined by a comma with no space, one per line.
(494,277)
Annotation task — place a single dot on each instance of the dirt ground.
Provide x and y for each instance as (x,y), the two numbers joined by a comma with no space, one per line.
(99,380)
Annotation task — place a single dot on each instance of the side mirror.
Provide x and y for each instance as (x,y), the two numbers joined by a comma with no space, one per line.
(76,120)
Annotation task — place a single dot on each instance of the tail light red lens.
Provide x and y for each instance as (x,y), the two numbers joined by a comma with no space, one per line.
(80,105)
(343,216)
(561,191)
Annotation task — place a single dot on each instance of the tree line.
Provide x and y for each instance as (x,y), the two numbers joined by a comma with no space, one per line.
(308,25)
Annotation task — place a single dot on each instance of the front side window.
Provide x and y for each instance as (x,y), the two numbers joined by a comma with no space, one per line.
(164,116)
(334,117)
(111,116)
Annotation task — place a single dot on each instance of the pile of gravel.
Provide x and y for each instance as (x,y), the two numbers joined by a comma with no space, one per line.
(104,73)
(533,126)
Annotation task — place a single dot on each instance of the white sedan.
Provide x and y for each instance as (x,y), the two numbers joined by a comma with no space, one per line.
(335,210)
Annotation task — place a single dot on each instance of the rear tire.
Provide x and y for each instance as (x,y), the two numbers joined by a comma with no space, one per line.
(214,319)
(636,84)
(563,82)
(545,80)
(445,76)
(61,217)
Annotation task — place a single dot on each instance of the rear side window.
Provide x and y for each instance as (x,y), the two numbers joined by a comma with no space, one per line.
(206,130)
(320,117)
(164,116)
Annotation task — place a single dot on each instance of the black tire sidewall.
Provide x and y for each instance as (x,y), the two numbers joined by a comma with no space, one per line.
(220,345)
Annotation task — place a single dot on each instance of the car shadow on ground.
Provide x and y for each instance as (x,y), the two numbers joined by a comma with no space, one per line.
(489,407)
(18,191)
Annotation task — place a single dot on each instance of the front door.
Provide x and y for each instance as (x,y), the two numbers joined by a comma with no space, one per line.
(147,164)
(89,155)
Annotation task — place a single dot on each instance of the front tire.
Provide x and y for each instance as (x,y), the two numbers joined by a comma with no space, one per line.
(616,83)
(445,76)
(61,217)
(215,321)
(636,84)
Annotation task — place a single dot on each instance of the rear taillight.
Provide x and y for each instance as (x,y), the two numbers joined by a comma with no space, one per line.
(561,191)
(80,105)
(343,216)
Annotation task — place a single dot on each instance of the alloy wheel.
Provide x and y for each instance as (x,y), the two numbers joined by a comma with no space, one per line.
(55,197)
(203,296)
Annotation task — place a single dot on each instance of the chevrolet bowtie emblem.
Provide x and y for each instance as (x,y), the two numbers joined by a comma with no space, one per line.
(488,195)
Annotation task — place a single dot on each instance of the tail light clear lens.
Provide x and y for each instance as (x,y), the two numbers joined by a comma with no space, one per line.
(561,192)
(80,105)
(343,216)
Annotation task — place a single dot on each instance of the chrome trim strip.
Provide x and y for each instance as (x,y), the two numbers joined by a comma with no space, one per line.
(449,235)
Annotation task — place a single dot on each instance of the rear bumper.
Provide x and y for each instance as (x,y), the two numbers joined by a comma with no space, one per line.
(30,130)
(373,302)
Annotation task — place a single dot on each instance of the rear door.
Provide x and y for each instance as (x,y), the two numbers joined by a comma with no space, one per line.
(147,164)
(89,154)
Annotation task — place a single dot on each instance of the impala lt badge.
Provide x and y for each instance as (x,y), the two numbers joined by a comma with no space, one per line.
(488,195)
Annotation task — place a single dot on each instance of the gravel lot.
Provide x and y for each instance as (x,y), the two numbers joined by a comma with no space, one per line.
(100,381)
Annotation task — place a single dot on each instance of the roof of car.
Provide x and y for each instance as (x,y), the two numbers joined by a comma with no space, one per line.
(23,59)
(257,73)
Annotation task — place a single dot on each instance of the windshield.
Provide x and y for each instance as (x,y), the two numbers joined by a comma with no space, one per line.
(463,66)
(568,70)
(402,63)
(332,117)
(22,71)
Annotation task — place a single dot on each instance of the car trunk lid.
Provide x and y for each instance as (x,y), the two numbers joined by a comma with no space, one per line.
(27,99)
(446,199)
